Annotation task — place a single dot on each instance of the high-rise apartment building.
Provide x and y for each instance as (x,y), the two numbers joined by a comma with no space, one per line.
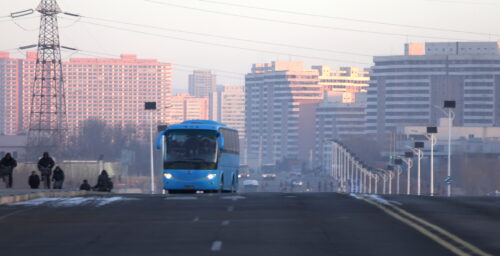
(113,90)
(410,89)
(346,82)
(274,93)
(336,119)
(186,107)
(227,105)
(202,83)
(10,94)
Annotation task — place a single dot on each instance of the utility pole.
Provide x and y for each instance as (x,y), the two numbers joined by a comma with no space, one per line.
(47,123)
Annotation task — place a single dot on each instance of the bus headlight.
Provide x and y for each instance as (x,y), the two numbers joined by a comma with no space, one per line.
(167,176)
(211,176)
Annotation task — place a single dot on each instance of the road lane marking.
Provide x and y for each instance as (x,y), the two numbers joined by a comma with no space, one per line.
(225,223)
(216,246)
(234,198)
(230,208)
(182,198)
(393,211)
(196,219)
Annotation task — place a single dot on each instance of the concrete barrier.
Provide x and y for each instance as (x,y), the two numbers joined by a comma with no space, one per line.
(29,196)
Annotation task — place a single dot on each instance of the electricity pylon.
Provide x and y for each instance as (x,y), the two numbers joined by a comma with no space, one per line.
(47,124)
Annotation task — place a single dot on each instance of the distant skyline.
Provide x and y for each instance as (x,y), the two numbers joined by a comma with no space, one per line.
(219,18)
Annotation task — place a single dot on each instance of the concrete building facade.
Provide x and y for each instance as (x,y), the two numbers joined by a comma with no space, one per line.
(186,107)
(113,90)
(10,94)
(409,90)
(346,82)
(202,83)
(274,93)
(227,105)
(337,120)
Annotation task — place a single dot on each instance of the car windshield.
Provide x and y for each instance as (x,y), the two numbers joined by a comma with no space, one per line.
(191,149)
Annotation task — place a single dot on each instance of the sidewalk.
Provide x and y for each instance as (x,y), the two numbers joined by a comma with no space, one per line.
(8,196)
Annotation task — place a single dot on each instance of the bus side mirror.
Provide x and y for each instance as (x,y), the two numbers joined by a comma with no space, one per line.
(220,141)
(159,140)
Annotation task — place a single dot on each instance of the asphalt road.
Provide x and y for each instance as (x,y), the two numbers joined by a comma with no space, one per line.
(251,224)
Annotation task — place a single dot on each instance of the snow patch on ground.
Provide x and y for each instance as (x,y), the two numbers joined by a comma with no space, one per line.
(355,196)
(72,201)
(379,199)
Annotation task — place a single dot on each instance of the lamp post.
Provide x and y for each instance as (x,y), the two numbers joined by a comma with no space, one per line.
(449,105)
(398,162)
(390,173)
(409,163)
(431,135)
(151,106)
(418,150)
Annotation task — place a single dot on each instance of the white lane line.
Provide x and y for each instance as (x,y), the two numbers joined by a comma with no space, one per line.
(291,196)
(230,208)
(395,202)
(182,198)
(196,219)
(234,198)
(225,223)
(216,246)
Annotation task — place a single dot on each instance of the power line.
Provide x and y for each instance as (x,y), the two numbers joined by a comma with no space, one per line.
(305,24)
(464,2)
(344,18)
(102,54)
(227,37)
(223,45)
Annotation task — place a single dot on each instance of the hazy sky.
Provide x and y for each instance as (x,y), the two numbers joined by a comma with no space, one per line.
(218,52)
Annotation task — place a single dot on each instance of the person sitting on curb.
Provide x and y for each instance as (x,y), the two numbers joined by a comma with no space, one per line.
(34,180)
(85,186)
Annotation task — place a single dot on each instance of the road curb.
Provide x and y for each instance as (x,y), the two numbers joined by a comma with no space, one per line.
(34,195)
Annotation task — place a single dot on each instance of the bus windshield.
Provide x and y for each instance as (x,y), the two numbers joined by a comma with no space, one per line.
(191,149)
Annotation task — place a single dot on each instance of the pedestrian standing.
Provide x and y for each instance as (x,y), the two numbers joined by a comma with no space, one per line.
(45,165)
(34,180)
(58,178)
(7,165)
(85,185)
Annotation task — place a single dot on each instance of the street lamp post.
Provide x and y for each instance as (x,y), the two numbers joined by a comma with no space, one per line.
(151,106)
(431,135)
(418,150)
(409,163)
(398,162)
(449,105)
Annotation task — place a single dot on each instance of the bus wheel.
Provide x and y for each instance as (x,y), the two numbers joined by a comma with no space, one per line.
(233,186)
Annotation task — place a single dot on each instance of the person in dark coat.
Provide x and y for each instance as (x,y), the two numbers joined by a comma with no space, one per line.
(85,185)
(104,183)
(58,178)
(7,165)
(34,180)
(45,165)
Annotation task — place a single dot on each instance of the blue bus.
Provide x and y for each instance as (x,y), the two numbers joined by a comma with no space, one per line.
(199,155)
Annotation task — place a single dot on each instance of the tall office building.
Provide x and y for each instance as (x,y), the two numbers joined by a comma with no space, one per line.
(10,94)
(274,93)
(410,89)
(187,107)
(227,105)
(202,83)
(113,90)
